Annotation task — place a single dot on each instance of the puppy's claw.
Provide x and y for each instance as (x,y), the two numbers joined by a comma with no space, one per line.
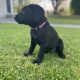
(36,61)
(27,54)
(63,57)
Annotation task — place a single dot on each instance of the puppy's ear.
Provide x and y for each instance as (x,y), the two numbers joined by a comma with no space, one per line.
(38,12)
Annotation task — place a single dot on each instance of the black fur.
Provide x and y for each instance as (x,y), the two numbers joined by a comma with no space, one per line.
(46,37)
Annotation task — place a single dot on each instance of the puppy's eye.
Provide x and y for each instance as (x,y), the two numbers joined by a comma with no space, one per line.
(23,12)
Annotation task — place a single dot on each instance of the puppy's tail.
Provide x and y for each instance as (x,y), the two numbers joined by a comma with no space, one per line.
(59,48)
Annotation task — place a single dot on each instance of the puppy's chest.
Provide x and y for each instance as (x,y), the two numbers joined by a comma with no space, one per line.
(38,36)
(34,35)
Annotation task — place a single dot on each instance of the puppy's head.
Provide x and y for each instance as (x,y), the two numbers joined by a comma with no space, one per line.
(30,15)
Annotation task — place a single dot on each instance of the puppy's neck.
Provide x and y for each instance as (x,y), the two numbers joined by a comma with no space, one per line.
(39,25)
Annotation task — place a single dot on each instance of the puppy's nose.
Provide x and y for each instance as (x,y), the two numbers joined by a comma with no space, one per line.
(15,17)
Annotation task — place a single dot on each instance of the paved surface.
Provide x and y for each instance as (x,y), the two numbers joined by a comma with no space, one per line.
(7,20)
(11,20)
(66,25)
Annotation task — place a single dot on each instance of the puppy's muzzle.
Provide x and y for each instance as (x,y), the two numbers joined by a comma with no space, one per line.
(18,19)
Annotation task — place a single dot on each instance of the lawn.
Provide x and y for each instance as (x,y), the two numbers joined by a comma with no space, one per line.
(15,39)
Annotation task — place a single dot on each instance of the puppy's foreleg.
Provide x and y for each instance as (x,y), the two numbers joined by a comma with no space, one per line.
(40,55)
(31,49)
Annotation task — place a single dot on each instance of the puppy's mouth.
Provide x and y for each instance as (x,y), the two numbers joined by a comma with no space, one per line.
(19,19)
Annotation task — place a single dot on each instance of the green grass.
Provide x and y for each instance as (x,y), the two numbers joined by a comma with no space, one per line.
(15,39)
(64,20)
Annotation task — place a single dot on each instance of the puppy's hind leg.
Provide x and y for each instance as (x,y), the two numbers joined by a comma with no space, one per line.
(59,49)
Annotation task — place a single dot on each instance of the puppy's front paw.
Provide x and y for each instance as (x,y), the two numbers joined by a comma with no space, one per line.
(63,56)
(37,61)
(26,53)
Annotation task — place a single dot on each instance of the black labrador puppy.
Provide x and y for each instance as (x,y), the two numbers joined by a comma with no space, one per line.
(41,32)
